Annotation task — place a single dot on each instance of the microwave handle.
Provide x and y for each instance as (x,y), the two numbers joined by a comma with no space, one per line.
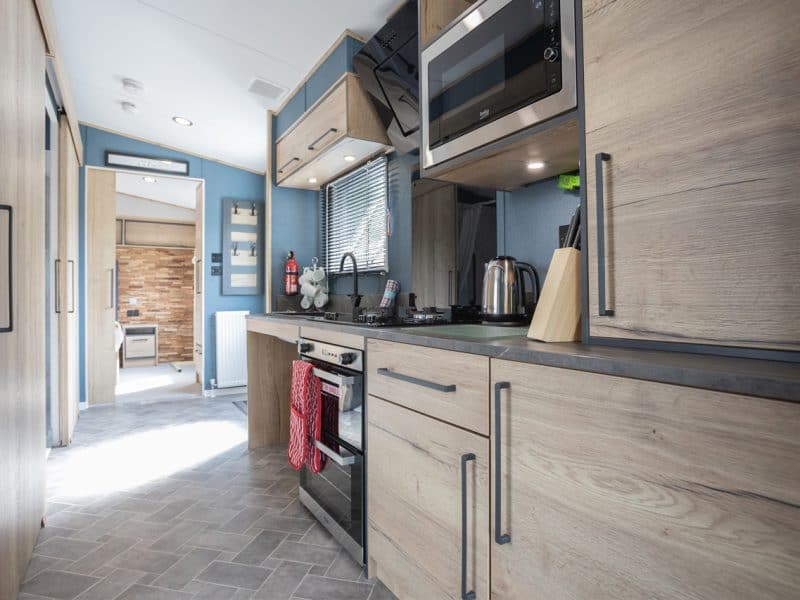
(342,461)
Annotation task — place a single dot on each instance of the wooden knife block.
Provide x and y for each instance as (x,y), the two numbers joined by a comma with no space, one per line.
(557,317)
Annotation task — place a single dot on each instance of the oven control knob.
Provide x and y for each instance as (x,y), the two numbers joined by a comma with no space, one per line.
(348,358)
(551,54)
(306,347)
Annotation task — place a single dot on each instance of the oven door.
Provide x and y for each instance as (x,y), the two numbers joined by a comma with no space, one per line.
(504,66)
(337,491)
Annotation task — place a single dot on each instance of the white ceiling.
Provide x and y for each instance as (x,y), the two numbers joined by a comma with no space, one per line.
(196,58)
(170,190)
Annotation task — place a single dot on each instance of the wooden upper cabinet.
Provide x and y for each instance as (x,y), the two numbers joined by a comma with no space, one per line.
(620,489)
(696,106)
(342,123)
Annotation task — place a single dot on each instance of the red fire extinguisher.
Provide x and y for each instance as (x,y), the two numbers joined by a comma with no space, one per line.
(292,274)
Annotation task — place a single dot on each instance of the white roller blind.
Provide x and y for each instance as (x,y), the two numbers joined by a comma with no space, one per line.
(354,219)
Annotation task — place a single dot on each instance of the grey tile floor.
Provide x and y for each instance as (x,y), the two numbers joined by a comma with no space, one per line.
(164,501)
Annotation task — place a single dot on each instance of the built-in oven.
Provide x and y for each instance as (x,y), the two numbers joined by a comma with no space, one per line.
(336,495)
(502,67)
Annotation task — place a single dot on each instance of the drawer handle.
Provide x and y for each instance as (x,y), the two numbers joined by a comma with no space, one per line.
(312,145)
(499,538)
(342,461)
(602,310)
(290,161)
(465,595)
(417,381)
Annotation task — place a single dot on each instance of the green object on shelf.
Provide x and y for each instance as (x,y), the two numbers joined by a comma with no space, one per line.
(569,182)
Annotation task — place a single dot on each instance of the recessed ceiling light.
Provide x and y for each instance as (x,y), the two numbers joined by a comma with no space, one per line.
(132,86)
(129,107)
(183,121)
(535,165)
(312,180)
(149,179)
(349,158)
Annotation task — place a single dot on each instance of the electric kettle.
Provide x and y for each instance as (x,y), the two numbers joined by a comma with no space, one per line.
(504,291)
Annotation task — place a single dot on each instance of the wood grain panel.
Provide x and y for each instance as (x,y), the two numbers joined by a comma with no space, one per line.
(68,166)
(285,331)
(414,492)
(22,362)
(151,233)
(269,380)
(702,218)
(622,489)
(435,15)
(467,406)
(101,358)
(433,245)
(348,340)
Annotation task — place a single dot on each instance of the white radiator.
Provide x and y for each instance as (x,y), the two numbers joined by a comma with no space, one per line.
(231,348)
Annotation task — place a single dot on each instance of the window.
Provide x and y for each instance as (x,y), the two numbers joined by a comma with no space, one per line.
(354,219)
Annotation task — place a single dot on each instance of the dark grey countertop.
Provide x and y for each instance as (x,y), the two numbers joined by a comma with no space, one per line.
(768,379)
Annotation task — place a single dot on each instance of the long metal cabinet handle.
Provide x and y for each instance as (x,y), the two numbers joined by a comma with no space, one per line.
(340,460)
(57,271)
(71,310)
(465,595)
(603,311)
(111,295)
(417,381)
(290,161)
(198,276)
(499,538)
(312,145)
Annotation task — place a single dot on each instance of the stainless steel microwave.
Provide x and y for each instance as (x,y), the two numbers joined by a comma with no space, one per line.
(502,67)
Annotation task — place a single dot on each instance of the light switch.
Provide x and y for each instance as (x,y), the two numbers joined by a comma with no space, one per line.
(133,301)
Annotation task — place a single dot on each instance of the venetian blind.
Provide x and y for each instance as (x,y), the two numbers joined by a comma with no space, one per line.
(353,219)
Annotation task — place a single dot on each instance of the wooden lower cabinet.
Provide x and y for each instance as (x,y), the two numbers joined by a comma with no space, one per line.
(614,488)
(414,495)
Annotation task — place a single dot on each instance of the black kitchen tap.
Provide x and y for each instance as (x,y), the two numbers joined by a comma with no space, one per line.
(355,297)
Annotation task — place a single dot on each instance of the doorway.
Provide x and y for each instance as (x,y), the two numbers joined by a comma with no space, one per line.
(145,281)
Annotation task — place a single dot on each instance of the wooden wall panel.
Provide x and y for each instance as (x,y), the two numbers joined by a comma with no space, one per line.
(22,365)
(162,281)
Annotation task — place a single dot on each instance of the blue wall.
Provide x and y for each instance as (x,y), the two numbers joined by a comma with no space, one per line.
(221,182)
(528,221)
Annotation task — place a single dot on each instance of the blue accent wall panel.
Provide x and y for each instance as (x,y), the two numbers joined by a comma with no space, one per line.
(293,110)
(528,221)
(221,181)
(295,226)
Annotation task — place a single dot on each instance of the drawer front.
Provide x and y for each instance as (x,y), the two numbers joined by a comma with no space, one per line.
(321,126)
(418,495)
(451,386)
(140,346)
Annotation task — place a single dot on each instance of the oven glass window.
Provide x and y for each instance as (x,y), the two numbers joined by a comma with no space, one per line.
(494,69)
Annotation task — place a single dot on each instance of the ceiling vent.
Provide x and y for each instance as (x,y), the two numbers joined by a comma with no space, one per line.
(266,89)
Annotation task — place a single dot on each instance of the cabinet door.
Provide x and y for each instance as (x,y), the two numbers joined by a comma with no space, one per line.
(433,245)
(615,488)
(696,105)
(101,268)
(416,494)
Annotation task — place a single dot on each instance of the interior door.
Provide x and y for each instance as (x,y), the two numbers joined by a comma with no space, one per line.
(101,355)
(433,243)
(198,286)
(692,118)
